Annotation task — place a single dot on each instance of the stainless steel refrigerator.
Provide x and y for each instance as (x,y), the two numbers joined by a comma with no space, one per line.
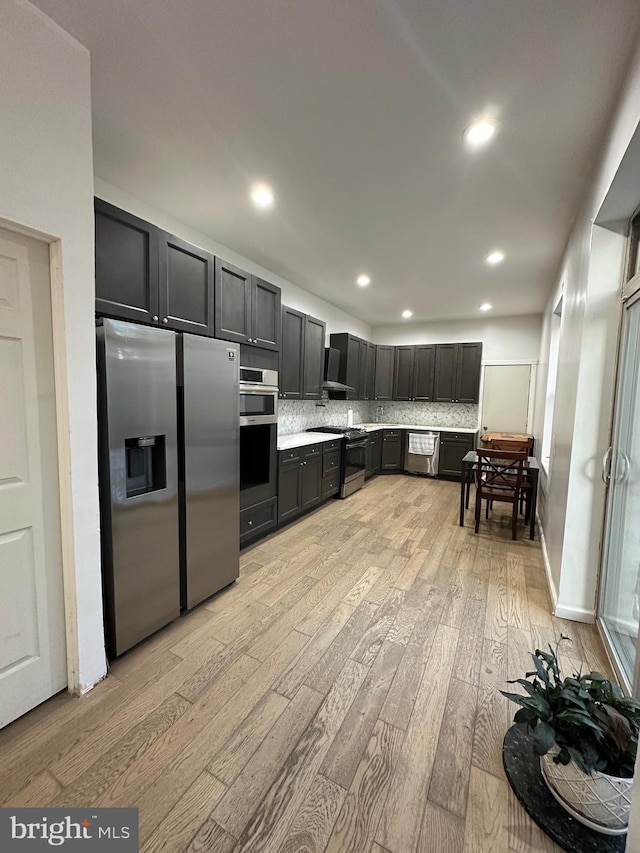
(169,474)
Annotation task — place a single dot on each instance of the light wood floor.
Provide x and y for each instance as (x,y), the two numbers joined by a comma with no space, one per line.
(341,696)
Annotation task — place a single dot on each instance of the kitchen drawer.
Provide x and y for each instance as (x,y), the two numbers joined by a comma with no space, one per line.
(311,450)
(330,446)
(330,462)
(455,436)
(330,484)
(258,519)
(391,433)
(286,457)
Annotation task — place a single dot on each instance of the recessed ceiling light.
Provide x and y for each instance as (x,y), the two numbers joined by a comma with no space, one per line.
(496,257)
(363,280)
(262,196)
(486,306)
(480,132)
(406,314)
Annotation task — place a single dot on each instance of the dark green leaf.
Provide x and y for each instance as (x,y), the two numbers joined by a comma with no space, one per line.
(543,738)
(524,715)
(542,672)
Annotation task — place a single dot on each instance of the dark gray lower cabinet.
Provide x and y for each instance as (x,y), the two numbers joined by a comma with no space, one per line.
(375,452)
(453,447)
(306,476)
(289,489)
(258,519)
(391,450)
(311,481)
(330,485)
(373,459)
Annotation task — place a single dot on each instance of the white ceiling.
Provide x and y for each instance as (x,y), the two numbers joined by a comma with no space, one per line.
(353,110)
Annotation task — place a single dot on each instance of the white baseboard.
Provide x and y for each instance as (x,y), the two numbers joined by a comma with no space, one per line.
(553,595)
(575,614)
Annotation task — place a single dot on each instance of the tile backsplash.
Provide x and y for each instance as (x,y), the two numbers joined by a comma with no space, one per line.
(299,415)
(458,415)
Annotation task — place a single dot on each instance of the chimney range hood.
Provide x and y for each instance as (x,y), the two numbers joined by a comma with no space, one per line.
(331,371)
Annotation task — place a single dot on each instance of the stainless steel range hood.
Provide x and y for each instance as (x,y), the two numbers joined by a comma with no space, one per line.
(331,370)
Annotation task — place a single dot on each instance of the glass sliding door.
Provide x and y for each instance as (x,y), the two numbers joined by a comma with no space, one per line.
(619,611)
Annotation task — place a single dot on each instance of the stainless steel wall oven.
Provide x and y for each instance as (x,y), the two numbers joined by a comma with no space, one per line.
(258,396)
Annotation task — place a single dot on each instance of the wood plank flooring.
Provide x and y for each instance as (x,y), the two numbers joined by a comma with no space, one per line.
(343,695)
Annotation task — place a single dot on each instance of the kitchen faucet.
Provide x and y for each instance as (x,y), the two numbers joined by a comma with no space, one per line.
(379,414)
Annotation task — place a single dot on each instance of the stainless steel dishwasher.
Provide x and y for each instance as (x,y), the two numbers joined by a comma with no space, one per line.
(425,461)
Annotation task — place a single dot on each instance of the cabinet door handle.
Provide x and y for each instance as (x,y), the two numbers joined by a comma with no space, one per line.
(250,523)
(165,319)
(155,318)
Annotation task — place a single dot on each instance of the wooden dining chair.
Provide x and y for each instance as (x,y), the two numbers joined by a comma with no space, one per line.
(500,477)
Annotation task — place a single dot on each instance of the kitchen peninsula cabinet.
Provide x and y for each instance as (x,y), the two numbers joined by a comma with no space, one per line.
(146,275)
(248,309)
(302,356)
(453,447)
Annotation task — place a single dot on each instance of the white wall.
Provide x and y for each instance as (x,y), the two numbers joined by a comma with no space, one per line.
(292,295)
(46,181)
(504,338)
(571,509)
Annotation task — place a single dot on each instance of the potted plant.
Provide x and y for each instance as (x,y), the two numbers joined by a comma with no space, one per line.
(586,734)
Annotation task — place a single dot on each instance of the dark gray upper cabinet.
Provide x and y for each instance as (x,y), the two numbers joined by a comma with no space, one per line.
(457,372)
(301,356)
(384,373)
(444,385)
(148,276)
(247,308)
(126,251)
(266,314)
(468,379)
(291,378)
(366,370)
(186,276)
(233,303)
(423,372)
(403,373)
(362,370)
(370,371)
(313,359)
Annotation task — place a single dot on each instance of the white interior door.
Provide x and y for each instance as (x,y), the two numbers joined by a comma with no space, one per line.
(32,633)
(505,399)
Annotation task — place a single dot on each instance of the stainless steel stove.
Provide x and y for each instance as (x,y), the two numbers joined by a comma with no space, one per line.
(354,457)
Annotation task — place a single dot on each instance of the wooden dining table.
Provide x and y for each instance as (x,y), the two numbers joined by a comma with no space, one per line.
(531,472)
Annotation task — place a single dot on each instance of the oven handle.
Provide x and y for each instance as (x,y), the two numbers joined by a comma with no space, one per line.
(361,443)
(258,389)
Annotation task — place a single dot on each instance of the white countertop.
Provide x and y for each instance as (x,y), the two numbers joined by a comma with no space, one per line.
(418,428)
(302,439)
